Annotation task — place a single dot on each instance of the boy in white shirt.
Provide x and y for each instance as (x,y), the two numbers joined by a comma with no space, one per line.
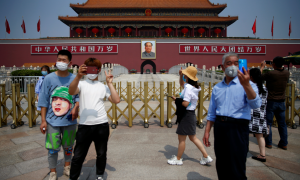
(93,124)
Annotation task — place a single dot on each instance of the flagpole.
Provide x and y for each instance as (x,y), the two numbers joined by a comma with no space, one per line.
(40,25)
(255,27)
(5,28)
(291,27)
(273,28)
(23,28)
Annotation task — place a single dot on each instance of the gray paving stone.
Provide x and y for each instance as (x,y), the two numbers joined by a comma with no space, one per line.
(35,137)
(6,144)
(33,153)
(285,175)
(19,148)
(10,159)
(9,172)
(35,164)
(261,173)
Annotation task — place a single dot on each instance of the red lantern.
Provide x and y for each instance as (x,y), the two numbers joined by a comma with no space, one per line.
(168,30)
(79,31)
(217,31)
(128,30)
(95,31)
(184,31)
(111,31)
(201,31)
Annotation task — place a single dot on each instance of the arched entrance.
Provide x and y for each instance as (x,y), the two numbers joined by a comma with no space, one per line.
(148,62)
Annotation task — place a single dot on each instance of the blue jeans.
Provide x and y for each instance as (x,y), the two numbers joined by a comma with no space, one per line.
(277,109)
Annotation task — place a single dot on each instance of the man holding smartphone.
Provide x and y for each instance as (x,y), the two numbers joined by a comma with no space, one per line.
(93,125)
(59,111)
(230,112)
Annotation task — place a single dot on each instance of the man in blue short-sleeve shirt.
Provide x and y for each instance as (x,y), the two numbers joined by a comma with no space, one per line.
(59,111)
(230,112)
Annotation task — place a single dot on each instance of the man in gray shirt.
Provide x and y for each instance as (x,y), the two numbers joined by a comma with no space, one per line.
(148,49)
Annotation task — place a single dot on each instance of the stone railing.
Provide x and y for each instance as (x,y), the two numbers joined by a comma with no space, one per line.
(8,80)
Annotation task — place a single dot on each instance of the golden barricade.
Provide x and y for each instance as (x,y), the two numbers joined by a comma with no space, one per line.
(130,95)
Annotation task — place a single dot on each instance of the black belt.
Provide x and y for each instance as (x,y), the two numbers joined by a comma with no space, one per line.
(232,120)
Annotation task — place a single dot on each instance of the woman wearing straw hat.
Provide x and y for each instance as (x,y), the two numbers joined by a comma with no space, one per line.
(187,125)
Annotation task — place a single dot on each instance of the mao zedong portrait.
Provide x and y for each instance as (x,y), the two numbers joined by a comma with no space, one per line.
(148,51)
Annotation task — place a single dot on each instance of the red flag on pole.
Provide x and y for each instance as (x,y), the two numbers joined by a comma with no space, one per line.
(254,27)
(39,26)
(7,26)
(272,26)
(290,28)
(23,27)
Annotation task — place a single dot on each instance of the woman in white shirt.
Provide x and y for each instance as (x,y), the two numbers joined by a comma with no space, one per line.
(187,125)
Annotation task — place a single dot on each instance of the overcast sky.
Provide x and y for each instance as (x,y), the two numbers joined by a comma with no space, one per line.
(247,10)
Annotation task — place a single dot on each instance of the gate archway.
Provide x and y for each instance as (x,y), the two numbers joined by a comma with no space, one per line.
(148,62)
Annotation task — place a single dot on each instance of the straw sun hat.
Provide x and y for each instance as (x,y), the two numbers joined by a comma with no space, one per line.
(190,72)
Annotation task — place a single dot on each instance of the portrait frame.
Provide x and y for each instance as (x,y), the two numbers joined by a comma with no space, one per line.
(143,50)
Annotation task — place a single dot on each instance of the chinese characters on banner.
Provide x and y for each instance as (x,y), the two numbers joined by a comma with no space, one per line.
(222,49)
(75,49)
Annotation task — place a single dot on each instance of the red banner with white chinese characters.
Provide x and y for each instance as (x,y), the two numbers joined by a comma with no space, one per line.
(222,49)
(75,49)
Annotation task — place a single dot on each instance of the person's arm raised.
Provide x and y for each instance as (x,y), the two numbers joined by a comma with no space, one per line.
(114,97)
(73,88)
(245,82)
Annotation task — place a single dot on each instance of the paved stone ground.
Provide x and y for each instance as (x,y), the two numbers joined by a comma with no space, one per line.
(139,153)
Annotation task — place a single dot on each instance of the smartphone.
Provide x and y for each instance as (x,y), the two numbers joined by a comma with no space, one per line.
(242,63)
(92,70)
(268,62)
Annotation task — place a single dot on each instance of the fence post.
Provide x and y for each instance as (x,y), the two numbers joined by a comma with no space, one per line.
(3,105)
(114,112)
(288,116)
(133,89)
(162,104)
(209,90)
(293,105)
(169,103)
(1,85)
(173,88)
(19,104)
(146,102)
(129,99)
(200,107)
(29,105)
(14,104)
(141,90)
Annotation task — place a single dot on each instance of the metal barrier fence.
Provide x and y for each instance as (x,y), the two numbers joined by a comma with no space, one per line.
(129,95)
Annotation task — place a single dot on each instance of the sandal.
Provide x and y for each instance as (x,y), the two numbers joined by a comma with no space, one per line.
(260,159)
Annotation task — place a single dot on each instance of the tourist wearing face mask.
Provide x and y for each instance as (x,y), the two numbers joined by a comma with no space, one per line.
(59,111)
(93,125)
(230,113)
(45,70)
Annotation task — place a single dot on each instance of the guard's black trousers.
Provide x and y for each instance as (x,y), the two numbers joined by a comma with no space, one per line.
(84,137)
(231,148)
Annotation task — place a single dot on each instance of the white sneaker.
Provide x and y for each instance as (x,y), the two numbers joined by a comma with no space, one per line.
(67,170)
(53,176)
(204,160)
(175,161)
(99,178)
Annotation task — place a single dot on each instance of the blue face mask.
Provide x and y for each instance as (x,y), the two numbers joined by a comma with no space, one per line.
(183,78)
(44,73)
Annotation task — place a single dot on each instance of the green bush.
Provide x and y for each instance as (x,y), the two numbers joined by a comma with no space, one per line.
(29,72)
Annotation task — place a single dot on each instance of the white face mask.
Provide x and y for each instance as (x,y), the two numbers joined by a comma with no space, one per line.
(231,71)
(92,76)
(62,66)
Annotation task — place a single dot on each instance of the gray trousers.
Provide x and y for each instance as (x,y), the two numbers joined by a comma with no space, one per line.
(55,138)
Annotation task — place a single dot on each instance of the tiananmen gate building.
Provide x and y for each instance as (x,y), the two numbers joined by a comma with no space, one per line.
(140,34)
